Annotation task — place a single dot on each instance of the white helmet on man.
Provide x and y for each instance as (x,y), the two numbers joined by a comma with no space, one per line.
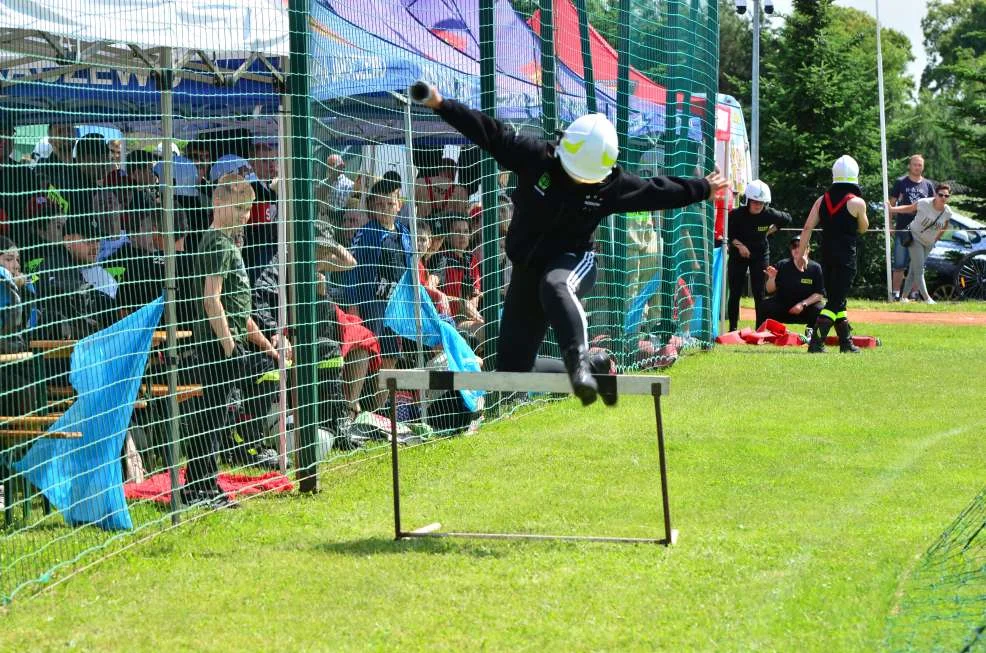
(757,191)
(845,170)
(589,148)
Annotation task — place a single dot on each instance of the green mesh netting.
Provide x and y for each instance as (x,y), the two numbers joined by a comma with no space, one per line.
(155,194)
(943,602)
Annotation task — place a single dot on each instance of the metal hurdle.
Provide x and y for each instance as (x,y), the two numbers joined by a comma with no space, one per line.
(423,380)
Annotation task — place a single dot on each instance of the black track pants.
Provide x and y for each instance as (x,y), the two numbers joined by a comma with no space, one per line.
(771,308)
(839,276)
(736,272)
(541,295)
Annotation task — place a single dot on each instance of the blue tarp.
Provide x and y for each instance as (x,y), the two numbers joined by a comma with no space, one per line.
(435,331)
(83,478)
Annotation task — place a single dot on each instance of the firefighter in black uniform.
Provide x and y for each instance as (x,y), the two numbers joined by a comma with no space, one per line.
(749,228)
(841,212)
(564,191)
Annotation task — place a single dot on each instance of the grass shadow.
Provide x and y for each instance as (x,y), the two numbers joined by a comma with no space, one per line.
(388,546)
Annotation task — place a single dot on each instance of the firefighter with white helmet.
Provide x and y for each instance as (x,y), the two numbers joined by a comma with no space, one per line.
(841,212)
(564,191)
(750,226)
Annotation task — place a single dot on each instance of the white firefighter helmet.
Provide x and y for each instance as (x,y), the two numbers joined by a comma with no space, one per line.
(757,191)
(588,149)
(845,170)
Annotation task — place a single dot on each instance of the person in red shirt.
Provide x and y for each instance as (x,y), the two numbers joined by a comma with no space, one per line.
(430,281)
(461,278)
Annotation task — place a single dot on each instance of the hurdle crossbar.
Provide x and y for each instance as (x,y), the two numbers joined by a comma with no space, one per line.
(425,380)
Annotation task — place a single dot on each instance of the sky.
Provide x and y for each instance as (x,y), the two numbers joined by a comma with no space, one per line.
(902,15)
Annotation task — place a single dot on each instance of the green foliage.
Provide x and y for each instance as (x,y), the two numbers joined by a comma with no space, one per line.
(955,38)
(803,501)
(818,100)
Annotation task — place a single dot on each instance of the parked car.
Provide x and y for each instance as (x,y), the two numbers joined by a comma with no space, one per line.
(956,268)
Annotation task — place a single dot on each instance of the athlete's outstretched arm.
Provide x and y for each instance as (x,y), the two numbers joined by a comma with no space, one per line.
(656,193)
(511,150)
(801,261)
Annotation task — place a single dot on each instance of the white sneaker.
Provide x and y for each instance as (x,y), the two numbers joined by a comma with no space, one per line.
(929,300)
(905,300)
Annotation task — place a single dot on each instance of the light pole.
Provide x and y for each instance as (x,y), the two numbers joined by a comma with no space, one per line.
(768,7)
(883,153)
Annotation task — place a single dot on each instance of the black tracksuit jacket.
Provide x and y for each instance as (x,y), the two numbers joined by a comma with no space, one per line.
(552,213)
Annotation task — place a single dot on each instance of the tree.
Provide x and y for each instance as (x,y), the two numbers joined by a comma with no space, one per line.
(953,32)
(955,37)
(818,99)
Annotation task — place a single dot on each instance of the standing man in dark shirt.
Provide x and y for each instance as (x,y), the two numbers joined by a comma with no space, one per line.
(907,191)
(749,228)
(796,295)
(18,187)
(221,334)
(564,191)
(841,212)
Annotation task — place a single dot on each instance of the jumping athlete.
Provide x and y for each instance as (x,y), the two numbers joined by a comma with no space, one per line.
(842,214)
(564,191)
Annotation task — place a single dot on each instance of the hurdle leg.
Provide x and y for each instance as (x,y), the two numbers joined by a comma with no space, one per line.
(669,535)
(395,470)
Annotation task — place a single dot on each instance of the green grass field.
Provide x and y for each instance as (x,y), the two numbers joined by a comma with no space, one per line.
(804,489)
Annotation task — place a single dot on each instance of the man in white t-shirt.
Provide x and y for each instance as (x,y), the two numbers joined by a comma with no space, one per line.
(339,186)
(931,217)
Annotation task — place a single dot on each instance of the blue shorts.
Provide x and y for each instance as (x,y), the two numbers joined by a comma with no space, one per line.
(902,257)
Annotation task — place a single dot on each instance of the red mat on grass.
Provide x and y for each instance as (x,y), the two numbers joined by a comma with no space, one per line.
(158,487)
(775,333)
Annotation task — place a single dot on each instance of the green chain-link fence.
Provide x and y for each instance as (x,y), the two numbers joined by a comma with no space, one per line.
(205,256)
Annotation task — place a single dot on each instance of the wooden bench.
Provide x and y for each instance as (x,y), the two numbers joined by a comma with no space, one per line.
(63,348)
(29,421)
(184,392)
(30,434)
(157,390)
(13,358)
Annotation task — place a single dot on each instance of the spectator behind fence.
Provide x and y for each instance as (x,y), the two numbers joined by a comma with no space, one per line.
(796,295)
(931,219)
(906,192)
(359,347)
(383,251)
(336,189)
(438,193)
(429,281)
(352,221)
(17,318)
(264,161)
(222,335)
(461,280)
(18,186)
(260,232)
(17,293)
(55,169)
(337,360)
(139,266)
(79,297)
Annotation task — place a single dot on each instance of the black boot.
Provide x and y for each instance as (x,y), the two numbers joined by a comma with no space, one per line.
(602,365)
(579,371)
(817,343)
(844,331)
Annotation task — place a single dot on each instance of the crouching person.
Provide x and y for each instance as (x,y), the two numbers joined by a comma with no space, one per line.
(795,295)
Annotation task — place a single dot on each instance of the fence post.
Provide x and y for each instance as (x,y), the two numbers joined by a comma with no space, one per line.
(618,263)
(490,302)
(302,212)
